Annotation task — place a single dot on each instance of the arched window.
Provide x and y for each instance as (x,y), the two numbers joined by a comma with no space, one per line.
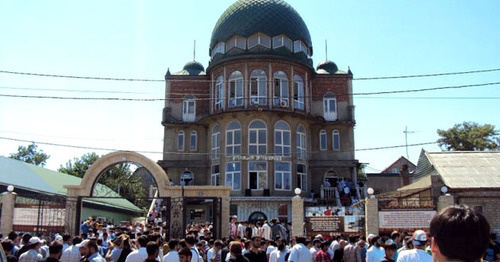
(282,139)
(187,178)
(280,96)
(189,108)
(258,87)
(193,141)
(235,89)
(257,217)
(330,107)
(215,142)
(322,139)
(233,139)
(257,138)
(301,142)
(298,92)
(219,93)
(336,140)
(180,141)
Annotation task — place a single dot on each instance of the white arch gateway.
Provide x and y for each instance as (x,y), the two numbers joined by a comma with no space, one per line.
(176,194)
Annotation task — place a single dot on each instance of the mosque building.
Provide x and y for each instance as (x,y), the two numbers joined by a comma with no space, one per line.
(261,118)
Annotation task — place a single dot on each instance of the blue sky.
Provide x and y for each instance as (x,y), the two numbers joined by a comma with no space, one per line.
(141,39)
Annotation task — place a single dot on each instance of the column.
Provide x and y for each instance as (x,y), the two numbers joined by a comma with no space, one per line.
(8,204)
(297,216)
(177,218)
(71,219)
(371,216)
(225,217)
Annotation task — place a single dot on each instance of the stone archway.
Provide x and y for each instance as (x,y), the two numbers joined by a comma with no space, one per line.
(75,193)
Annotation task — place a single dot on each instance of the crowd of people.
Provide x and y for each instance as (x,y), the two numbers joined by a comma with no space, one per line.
(455,234)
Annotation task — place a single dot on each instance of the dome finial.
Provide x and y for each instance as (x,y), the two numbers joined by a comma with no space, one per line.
(326,50)
(194,50)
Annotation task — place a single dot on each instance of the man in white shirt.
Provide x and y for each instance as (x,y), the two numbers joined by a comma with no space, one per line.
(376,252)
(140,254)
(418,253)
(173,254)
(267,230)
(214,253)
(72,253)
(191,241)
(299,252)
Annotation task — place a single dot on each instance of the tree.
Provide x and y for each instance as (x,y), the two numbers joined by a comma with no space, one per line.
(31,155)
(80,165)
(469,136)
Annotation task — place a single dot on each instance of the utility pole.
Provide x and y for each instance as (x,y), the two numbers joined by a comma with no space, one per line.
(406,140)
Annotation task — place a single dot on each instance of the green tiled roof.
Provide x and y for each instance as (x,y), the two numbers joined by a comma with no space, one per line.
(34,178)
(271,17)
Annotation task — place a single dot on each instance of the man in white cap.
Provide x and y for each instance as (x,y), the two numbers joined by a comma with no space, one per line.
(32,254)
(417,254)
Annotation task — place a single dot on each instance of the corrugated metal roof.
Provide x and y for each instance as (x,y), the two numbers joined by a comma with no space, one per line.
(467,169)
(39,179)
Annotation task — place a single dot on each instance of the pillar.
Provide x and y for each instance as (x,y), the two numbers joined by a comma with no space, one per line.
(445,201)
(72,221)
(225,217)
(177,218)
(371,216)
(8,204)
(297,216)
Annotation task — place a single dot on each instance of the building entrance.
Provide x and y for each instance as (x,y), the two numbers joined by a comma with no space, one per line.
(143,194)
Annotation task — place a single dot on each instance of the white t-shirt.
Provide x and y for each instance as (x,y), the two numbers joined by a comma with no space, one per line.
(210,255)
(172,256)
(375,254)
(267,231)
(138,255)
(414,255)
(300,253)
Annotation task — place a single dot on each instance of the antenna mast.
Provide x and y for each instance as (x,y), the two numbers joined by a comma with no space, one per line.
(406,140)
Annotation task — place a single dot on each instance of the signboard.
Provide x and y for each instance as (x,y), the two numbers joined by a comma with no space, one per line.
(324,224)
(257,157)
(406,219)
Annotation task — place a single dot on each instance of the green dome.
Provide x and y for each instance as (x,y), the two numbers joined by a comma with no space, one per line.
(271,17)
(192,68)
(327,67)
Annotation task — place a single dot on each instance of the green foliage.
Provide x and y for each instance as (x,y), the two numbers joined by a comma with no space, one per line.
(469,136)
(80,165)
(30,155)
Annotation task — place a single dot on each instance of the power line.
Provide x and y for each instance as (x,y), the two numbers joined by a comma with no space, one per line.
(180,80)
(211,98)
(191,153)
(70,90)
(428,75)
(82,77)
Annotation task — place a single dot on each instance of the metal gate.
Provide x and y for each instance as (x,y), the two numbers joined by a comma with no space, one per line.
(39,214)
